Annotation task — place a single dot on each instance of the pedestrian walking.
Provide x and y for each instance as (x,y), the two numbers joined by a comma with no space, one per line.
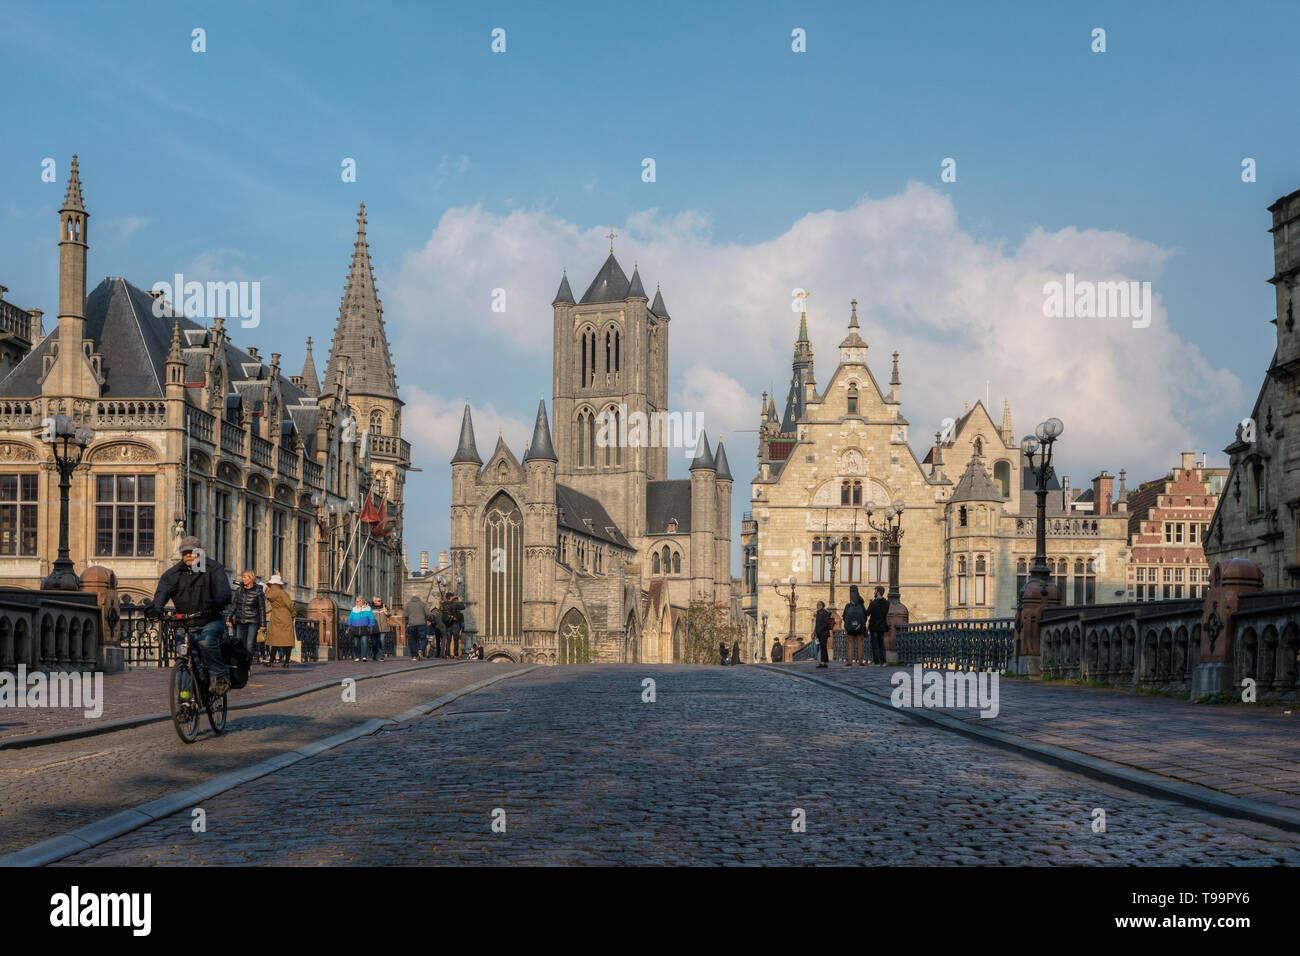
(279,614)
(453,620)
(246,614)
(382,628)
(361,623)
(778,653)
(822,629)
(877,625)
(722,652)
(417,620)
(855,625)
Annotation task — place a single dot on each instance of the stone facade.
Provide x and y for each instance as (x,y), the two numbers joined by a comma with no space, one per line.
(192,436)
(584,549)
(966,545)
(1258,514)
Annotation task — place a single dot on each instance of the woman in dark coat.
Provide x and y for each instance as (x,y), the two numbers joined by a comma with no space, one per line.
(246,614)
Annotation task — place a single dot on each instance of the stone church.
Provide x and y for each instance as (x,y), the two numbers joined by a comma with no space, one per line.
(583,549)
(968,524)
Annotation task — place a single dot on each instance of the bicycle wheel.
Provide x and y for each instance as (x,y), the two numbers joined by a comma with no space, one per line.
(217,713)
(185,709)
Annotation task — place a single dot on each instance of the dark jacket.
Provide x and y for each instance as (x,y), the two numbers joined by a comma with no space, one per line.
(204,592)
(453,617)
(878,615)
(854,598)
(247,606)
(822,627)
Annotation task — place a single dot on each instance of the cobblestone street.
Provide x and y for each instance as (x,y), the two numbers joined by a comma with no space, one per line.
(715,770)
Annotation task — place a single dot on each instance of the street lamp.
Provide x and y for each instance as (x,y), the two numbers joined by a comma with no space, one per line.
(1040,445)
(60,429)
(892,533)
(790,599)
(762,649)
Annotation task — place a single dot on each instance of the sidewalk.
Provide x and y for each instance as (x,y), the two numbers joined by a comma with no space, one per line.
(137,692)
(1241,750)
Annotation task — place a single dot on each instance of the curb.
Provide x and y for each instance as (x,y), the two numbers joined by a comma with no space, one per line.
(1143,781)
(127,723)
(101,831)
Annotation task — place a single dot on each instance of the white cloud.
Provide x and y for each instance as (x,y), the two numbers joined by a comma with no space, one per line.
(962,310)
(431,423)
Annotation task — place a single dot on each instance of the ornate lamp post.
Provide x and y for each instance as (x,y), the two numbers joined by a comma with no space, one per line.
(790,599)
(1040,444)
(762,649)
(892,533)
(68,444)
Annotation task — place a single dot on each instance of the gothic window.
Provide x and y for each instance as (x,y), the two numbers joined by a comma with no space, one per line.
(1002,476)
(1059,576)
(667,559)
(817,560)
(1090,582)
(844,493)
(616,350)
(654,563)
(877,562)
(851,561)
(980,570)
(1078,582)
(582,439)
(961,580)
(574,639)
(853,399)
(591,441)
(857,494)
(376,422)
(1261,489)
(1022,575)
(677,563)
(961,516)
(609,439)
(503,604)
(979,446)
(608,352)
(583,348)
(618,437)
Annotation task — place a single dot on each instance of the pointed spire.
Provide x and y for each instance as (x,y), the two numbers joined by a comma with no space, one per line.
(853,340)
(72,198)
(703,457)
(565,295)
(1007,434)
(174,354)
(853,316)
(720,462)
(610,285)
(803,328)
(636,291)
(360,332)
(310,380)
(658,307)
(466,450)
(539,448)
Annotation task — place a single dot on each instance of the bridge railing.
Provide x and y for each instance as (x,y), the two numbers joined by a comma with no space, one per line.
(986,644)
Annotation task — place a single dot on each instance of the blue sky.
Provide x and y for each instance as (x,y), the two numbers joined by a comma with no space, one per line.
(774,169)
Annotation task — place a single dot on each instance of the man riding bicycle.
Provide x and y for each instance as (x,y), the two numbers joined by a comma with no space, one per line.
(200,590)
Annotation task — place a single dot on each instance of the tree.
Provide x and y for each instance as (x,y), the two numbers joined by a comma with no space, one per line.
(708,624)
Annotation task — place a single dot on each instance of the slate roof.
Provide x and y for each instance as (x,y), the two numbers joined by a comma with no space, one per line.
(658,307)
(720,462)
(465,449)
(665,500)
(540,447)
(975,483)
(610,285)
(574,507)
(703,457)
(360,334)
(636,290)
(1029,483)
(565,294)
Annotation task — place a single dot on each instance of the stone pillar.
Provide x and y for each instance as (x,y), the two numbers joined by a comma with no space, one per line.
(898,614)
(1036,597)
(322,609)
(1215,674)
(102,582)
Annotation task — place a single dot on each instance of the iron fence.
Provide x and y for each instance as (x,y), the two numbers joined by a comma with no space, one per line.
(145,642)
(972,645)
(307,633)
(348,644)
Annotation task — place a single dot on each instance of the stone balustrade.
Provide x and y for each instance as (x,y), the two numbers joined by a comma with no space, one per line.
(261,452)
(54,630)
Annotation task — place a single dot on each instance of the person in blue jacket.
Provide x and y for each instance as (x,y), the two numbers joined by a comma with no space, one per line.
(361,624)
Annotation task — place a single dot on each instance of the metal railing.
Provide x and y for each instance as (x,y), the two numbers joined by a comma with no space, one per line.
(970,645)
(348,643)
(307,633)
(145,642)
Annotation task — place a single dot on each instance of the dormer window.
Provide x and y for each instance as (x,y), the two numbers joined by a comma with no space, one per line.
(853,399)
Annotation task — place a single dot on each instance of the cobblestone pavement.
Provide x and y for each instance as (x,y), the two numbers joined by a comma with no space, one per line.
(713,771)
(1244,750)
(53,788)
(143,690)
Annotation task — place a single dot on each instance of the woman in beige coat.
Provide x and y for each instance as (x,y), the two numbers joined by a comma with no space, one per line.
(279,619)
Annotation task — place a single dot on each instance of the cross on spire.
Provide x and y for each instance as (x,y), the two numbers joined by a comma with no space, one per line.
(611,237)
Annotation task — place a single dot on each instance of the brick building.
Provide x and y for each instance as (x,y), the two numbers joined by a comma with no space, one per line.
(1169,518)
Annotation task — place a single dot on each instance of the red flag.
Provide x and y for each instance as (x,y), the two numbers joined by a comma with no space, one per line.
(377,529)
(368,510)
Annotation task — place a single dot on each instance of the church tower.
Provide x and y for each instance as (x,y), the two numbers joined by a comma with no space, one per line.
(73,369)
(539,538)
(611,362)
(801,376)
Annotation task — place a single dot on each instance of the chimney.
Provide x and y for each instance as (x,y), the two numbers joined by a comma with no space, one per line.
(424,562)
(1065,493)
(443,560)
(1101,488)
(38,325)
(252,350)
(1189,460)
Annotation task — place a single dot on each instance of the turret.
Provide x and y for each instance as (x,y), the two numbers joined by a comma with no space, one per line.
(540,531)
(722,540)
(74,244)
(704,503)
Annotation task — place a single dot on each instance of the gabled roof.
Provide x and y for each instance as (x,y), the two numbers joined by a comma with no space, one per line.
(610,285)
(666,500)
(586,515)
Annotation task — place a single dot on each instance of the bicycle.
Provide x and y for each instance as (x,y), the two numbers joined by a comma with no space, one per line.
(188,705)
